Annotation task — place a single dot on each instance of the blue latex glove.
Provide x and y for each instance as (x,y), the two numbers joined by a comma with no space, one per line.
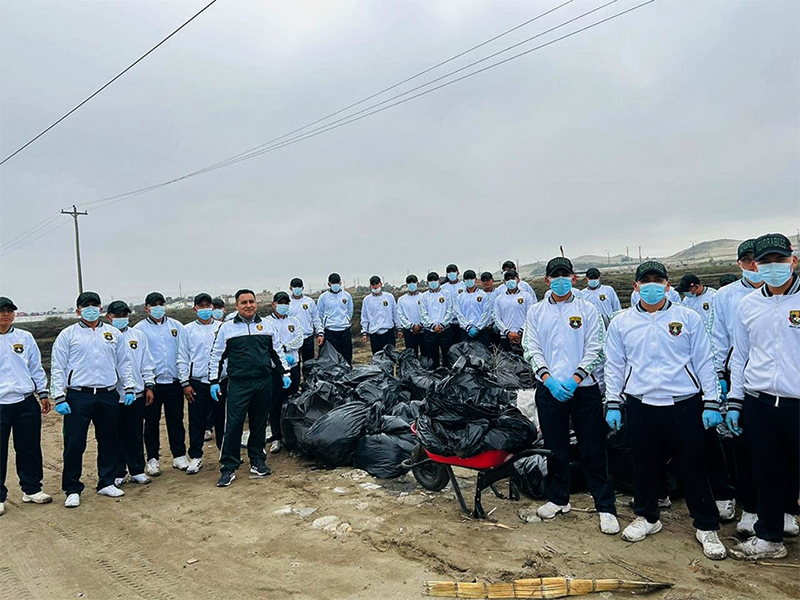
(216,392)
(723,390)
(129,398)
(711,418)
(614,418)
(291,360)
(732,421)
(287,381)
(570,385)
(473,331)
(63,408)
(557,389)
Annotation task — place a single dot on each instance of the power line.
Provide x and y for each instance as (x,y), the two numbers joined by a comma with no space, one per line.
(30,231)
(30,241)
(128,68)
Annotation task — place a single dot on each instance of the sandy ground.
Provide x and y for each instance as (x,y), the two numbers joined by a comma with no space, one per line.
(181,537)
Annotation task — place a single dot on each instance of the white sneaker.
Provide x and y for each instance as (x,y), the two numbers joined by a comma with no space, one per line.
(208,436)
(245,438)
(153,468)
(790,527)
(111,491)
(37,498)
(2,508)
(664,502)
(140,478)
(73,501)
(640,529)
(726,509)
(275,447)
(609,524)
(118,481)
(194,466)
(746,525)
(181,463)
(550,510)
(712,547)
(757,549)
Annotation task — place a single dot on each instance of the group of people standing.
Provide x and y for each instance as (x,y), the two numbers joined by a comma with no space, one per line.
(655,362)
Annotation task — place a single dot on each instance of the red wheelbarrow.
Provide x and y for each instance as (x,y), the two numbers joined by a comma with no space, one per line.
(433,472)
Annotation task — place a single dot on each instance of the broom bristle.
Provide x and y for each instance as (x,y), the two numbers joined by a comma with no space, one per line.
(535,589)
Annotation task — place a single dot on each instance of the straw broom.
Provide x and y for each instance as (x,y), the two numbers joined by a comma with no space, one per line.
(543,587)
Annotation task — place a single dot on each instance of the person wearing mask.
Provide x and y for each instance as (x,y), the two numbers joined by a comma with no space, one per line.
(523,285)
(474,311)
(87,360)
(194,348)
(216,413)
(162,336)
(698,297)
(130,429)
(436,310)
(510,308)
(379,323)
(304,309)
(289,332)
(672,296)
(659,362)
(603,297)
(408,315)
(487,283)
(765,389)
(218,309)
(254,353)
(563,341)
(453,287)
(20,412)
(336,313)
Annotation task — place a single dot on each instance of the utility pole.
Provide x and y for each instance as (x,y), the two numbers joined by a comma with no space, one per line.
(75,213)
(640,254)
(608,254)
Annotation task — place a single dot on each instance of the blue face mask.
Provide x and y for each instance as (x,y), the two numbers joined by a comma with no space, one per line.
(336,288)
(90,313)
(775,274)
(452,276)
(511,284)
(434,285)
(205,313)
(652,293)
(561,286)
(470,283)
(689,294)
(297,292)
(412,287)
(594,283)
(282,309)
(752,276)
(157,312)
(120,322)
(217,313)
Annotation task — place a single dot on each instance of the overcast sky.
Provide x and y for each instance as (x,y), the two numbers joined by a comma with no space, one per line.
(676,122)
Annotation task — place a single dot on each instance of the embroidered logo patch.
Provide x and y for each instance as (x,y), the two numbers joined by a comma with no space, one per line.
(460,290)
(18,348)
(260,327)
(479,298)
(706,306)
(441,299)
(133,344)
(520,300)
(107,335)
(291,328)
(305,306)
(675,328)
(344,300)
(386,303)
(575,322)
(174,332)
(602,297)
(794,318)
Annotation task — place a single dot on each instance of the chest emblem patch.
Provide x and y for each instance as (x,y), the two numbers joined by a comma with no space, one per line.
(575,322)
(602,297)
(259,327)
(520,300)
(305,306)
(460,290)
(344,300)
(174,332)
(290,328)
(386,303)
(133,344)
(18,348)
(441,299)
(794,318)
(706,306)
(675,328)
(107,335)
(479,299)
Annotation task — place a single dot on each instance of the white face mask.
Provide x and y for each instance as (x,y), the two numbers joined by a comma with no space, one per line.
(377,290)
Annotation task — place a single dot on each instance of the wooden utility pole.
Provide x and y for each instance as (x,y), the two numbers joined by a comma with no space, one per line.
(75,213)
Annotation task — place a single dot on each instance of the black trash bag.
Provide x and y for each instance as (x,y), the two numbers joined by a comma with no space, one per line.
(407,410)
(511,431)
(476,353)
(328,366)
(417,379)
(530,476)
(389,442)
(361,374)
(300,411)
(463,440)
(386,359)
(512,371)
(470,391)
(332,439)
(387,391)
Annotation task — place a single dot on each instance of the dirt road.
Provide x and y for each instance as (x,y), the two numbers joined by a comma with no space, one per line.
(183,538)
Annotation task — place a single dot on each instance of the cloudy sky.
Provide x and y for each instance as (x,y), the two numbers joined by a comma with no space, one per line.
(676,122)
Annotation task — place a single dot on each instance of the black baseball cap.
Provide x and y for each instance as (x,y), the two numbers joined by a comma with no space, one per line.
(559,262)
(87,298)
(203,297)
(651,266)
(296,282)
(334,278)
(451,268)
(374,280)
(486,276)
(281,298)
(747,246)
(470,274)
(118,307)
(154,297)
(412,279)
(727,279)
(7,303)
(433,276)
(509,264)
(510,274)
(593,273)
(218,303)
(772,243)
(686,282)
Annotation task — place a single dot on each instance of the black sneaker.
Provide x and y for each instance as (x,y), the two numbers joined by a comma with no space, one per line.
(260,468)
(226,478)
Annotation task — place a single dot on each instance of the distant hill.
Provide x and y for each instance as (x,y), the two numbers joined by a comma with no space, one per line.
(717,250)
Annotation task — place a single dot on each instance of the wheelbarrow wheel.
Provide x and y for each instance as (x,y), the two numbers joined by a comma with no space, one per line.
(430,475)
